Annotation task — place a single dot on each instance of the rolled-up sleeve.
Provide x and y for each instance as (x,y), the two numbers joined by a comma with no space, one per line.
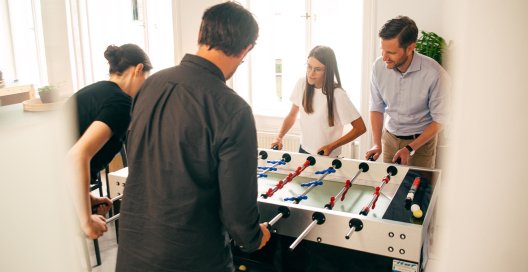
(439,98)
(376,102)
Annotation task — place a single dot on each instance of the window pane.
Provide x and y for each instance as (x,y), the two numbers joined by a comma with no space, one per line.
(160,34)
(111,22)
(145,23)
(24,45)
(288,31)
(339,24)
(278,59)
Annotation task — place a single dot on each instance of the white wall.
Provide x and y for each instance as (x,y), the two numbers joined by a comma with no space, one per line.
(187,17)
(426,14)
(483,204)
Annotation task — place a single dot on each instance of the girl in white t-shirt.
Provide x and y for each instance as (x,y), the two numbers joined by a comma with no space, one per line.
(325,106)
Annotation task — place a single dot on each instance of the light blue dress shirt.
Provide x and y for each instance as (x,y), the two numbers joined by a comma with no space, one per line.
(411,100)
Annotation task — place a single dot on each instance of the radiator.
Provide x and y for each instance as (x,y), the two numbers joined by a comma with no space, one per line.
(291,143)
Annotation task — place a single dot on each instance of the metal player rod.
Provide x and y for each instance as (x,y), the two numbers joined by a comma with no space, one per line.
(305,192)
(336,164)
(349,233)
(113,218)
(331,203)
(309,161)
(391,171)
(318,219)
(363,167)
(297,199)
(284,212)
(262,155)
(343,190)
(285,158)
(378,191)
(303,234)
(375,197)
(275,219)
(355,225)
(269,168)
(117,198)
(94,207)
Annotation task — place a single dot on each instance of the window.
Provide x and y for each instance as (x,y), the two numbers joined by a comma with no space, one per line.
(288,31)
(145,23)
(92,26)
(21,50)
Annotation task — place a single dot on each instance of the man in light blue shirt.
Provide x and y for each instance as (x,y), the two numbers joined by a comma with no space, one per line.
(410,89)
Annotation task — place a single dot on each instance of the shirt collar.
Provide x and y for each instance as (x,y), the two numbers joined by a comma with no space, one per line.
(203,63)
(416,63)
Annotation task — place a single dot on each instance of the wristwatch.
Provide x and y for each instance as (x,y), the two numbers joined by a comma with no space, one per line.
(411,150)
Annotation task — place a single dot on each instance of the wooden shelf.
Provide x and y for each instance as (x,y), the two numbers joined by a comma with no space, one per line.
(37,105)
(16,93)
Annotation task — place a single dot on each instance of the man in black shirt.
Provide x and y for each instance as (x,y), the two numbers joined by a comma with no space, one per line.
(192,158)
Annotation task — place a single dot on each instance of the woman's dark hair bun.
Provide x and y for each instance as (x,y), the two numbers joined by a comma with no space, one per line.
(113,54)
(124,56)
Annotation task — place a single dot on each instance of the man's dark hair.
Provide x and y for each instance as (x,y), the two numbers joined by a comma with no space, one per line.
(402,27)
(228,27)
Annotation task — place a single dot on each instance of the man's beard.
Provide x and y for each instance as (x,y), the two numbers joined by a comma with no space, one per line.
(402,61)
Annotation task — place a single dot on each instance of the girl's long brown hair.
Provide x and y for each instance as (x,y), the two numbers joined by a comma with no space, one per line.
(326,56)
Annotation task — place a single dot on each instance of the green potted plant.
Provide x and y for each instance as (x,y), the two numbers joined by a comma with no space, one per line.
(431,45)
(48,94)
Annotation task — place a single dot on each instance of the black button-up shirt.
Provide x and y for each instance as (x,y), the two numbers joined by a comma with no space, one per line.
(192,183)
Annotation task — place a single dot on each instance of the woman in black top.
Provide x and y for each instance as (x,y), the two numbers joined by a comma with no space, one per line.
(103,115)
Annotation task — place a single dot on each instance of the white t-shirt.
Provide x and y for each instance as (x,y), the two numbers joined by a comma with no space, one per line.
(314,126)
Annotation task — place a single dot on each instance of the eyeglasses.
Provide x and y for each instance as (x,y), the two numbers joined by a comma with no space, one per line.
(317,70)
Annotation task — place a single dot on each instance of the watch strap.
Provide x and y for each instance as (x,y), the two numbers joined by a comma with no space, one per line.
(411,150)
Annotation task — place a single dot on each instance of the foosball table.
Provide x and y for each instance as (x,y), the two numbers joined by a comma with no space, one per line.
(328,214)
(366,215)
